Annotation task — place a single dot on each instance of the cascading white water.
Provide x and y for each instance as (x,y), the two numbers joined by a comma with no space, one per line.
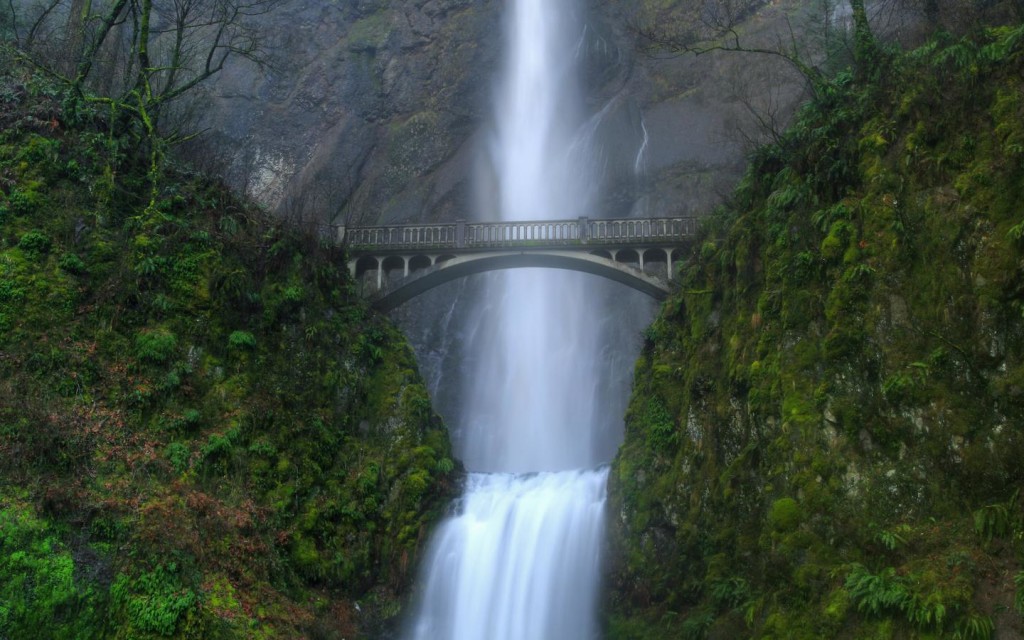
(521,560)
(530,398)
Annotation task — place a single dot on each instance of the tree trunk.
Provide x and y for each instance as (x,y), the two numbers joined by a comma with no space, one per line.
(75,36)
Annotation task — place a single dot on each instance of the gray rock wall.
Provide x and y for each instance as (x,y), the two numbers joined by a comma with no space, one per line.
(366,110)
(370,111)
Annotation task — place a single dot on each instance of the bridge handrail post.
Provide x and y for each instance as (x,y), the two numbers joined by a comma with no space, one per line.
(584,232)
(460,234)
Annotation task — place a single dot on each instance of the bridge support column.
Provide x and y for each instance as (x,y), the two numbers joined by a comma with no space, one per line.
(405,261)
(380,274)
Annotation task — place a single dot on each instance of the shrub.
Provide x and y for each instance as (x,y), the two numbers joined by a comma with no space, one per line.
(71,263)
(661,429)
(155,345)
(178,455)
(218,445)
(241,340)
(25,202)
(784,514)
(877,593)
(35,243)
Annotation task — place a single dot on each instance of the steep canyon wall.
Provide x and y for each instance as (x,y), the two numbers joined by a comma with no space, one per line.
(371,111)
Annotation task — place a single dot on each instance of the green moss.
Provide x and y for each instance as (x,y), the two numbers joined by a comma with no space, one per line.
(370,32)
(784,514)
(182,392)
(38,585)
(844,382)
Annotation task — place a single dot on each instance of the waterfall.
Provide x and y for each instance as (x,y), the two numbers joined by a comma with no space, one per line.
(540,413)
(520,562)
(530,396)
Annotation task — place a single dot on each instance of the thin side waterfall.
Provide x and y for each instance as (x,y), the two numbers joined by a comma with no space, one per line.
(521,560)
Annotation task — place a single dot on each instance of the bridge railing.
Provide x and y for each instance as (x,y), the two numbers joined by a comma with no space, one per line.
(506,234)
(402,236)
(528,233)
(641,229)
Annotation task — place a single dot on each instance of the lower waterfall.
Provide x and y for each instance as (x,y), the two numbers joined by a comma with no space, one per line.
(521,560)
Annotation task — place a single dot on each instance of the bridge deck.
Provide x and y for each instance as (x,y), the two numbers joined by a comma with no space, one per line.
(534,234)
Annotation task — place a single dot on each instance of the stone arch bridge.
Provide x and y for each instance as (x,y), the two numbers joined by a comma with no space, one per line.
(398,262)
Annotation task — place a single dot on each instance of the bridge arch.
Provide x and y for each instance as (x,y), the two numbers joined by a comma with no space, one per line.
(408,259)
(401,291)
(419,263)
(656,261)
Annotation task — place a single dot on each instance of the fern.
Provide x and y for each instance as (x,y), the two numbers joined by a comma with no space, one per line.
(974,626)
(926,612)
(1016,232)
(696,625)
(876,594)
(895,538)
(961,56)
(730,593)
(998,520)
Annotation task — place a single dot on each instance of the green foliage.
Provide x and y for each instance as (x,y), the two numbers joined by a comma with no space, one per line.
(879,593)
(848,334)
(155,345)
(216,446)
(974,627)
(71,263)
(1016,232)
(35,244)
(893,539)
(241,340)
(193,391)
(998,520)
(154,601)
(179,456)
(445,465)
(729,593)
(696,624)
(659,426)
(23,202)
(784,514)
(40,596)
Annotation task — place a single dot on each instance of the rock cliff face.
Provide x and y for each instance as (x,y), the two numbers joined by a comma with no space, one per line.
(824,436)
(372,110)
(365,110)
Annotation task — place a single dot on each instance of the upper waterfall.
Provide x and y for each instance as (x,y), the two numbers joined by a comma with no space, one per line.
(531,394)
